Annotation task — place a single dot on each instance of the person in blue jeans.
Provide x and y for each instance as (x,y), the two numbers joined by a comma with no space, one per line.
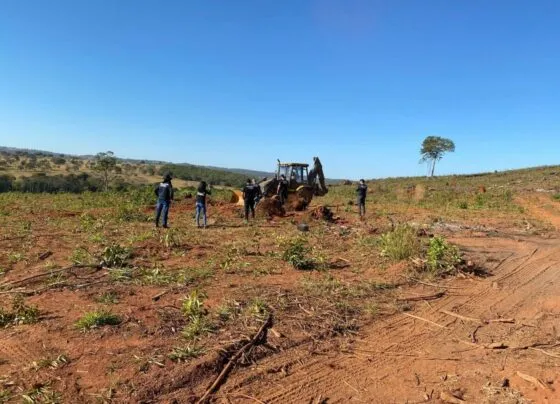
(201,193)
(164,193)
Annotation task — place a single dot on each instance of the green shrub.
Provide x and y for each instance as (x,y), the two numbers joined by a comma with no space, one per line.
(442,257)
(296,253)
(129,213)
(116,256)
(400,243)
(96,319)
(556,197)
(463,205)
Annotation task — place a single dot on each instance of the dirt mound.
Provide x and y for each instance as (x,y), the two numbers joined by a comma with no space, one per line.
(270,207)
(323,213)
(299,205)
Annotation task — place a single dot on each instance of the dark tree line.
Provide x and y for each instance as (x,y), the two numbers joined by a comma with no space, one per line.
(41,182)
(211,176)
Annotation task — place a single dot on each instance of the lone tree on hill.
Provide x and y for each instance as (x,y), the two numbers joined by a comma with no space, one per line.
(106,164)
(433,149)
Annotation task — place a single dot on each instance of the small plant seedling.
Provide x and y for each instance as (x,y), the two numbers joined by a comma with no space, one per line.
(198,325)
(193,305)
(20,313)
(116,256)
(81,256)
(97,319)
(42,394)
(183,354)
(52,363)
(108,298)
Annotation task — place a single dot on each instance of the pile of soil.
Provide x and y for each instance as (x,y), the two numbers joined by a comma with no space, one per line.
(323,213)
(299,205)
(270,207)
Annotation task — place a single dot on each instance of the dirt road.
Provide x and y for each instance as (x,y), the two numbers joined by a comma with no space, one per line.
(404,359)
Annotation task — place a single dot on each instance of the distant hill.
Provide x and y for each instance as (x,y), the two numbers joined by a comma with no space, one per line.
(185,171)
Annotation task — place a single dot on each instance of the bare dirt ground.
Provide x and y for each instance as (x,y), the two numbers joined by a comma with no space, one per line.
(358,330)
(407,359)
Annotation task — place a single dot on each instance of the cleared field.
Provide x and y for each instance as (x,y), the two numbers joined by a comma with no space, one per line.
(98,306)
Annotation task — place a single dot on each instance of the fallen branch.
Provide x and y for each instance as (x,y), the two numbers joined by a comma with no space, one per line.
(502,320)
(428,283)
(425,320)
(420,298)
(258,338)
(160,295)
(50,273)
(471,319)
(473,335)
(532,380)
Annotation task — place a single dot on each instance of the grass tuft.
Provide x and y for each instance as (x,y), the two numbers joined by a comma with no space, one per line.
(400,243)
(183,354)
(97,319)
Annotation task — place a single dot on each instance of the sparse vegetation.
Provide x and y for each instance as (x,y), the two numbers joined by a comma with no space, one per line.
(20,313)
(52,363)
(197,327)
(400,243)
(183,354)
(116,256)
(109,297)
(296,253)
(442,257)
(97,319)
(360,274)
(42,394)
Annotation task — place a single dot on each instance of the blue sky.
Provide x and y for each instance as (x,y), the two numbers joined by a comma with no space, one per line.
(241,83)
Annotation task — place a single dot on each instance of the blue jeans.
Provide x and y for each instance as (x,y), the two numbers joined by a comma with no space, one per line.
(162,207)
(200,208)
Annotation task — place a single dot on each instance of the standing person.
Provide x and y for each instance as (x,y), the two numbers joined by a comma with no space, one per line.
(249,195)
(164,193)
(362,192)
(282,190)
(258,193)
(201,193)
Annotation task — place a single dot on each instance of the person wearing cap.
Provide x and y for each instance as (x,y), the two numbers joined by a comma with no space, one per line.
(282,190)
(164,194)
(201,193)
(362,192)
(249,195)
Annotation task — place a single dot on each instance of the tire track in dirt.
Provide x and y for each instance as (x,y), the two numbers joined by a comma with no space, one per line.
(382,364)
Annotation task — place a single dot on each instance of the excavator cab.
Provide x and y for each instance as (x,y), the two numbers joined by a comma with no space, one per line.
(295,173)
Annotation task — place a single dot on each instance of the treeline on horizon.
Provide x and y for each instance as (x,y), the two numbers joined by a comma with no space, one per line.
(211,176)
(42,183)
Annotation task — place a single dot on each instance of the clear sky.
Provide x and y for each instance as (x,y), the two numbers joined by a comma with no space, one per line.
(239,83)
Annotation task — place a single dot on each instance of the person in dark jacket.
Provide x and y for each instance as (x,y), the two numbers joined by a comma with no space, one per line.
(362,192)
(164,193)
(282,190)
(249,195)
(258,193)
(201,193)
